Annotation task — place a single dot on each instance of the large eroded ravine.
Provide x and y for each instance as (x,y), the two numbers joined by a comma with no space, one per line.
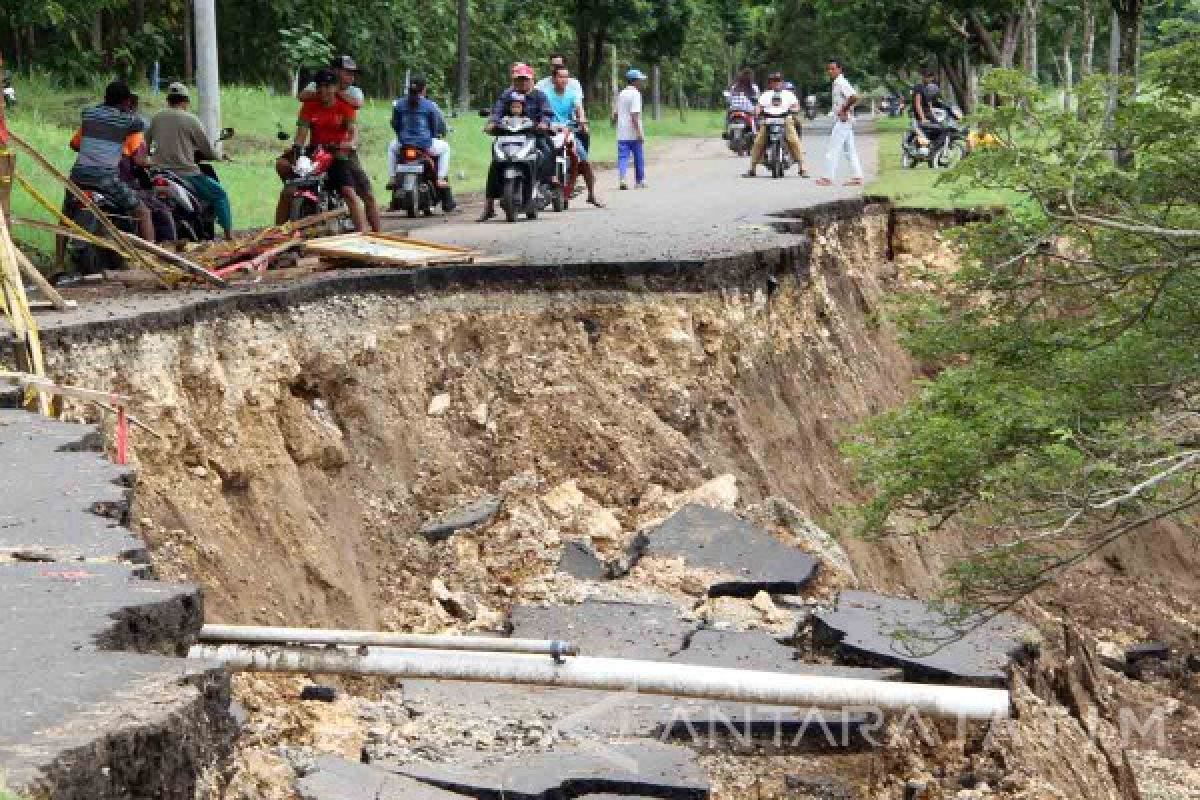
(302,448)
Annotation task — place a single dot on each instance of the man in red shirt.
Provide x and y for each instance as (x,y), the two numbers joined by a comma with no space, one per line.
(330,122)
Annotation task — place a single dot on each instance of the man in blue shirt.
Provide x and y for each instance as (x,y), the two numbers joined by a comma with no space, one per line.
(566,103)
(537,108)
(418,122)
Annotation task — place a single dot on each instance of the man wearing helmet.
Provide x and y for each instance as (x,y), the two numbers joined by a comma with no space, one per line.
(535,106)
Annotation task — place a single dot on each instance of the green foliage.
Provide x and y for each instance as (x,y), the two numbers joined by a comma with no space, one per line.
(305,46)
(1063,412)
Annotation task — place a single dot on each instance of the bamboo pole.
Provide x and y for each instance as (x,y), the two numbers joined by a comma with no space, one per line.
(190,267)
(43,285)
(16,308)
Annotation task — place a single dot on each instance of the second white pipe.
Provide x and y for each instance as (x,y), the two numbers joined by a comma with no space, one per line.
(619,675)
(254,634)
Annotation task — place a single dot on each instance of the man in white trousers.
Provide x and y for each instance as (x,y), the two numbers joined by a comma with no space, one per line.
(841,140)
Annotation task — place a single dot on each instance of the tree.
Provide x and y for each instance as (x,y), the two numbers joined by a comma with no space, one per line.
(1066,410)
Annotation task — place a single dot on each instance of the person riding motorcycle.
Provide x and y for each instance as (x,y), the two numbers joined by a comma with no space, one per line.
(536,107)
(926,96)
(331,121)
(777,97)
(105,135)
(743,96)
(567,107)
(418,122)
(177,137)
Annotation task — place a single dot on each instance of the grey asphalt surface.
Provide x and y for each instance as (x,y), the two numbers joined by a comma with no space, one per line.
(58,615)
(697,206)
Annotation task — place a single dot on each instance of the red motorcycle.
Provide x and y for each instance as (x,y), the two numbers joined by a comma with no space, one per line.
(311,194)
(740,131)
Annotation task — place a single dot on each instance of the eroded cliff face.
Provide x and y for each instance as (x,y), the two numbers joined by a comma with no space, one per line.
(302,450)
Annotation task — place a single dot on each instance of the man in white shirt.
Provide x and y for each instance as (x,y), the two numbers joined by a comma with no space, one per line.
(631,138)
(841,140)
(776,101)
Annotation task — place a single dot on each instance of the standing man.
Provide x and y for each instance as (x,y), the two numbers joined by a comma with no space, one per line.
(777,98)
(631,138)
(346,70)
(178,141)
(841,140)
(567,106)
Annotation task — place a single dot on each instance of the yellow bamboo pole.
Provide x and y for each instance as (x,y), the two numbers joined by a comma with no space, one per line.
(16,309)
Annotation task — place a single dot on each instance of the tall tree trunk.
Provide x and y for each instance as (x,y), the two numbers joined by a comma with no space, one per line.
(1012,35)
(1029,58)
(1087,52)
(986,40)
(1068,65)
(464,54)
(98,33)
(139,15)
(586,76)
(1129,18)
(189,53)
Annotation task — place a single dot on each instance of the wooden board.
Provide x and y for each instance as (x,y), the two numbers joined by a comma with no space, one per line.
(388,249)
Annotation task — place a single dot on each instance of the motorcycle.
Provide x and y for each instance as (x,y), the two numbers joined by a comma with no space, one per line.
(195,220)
(558,195)
(311,194)
(778,155)
(810,107)
(947,146)
(739,129)
(415,183)
(514,152)
(85,258)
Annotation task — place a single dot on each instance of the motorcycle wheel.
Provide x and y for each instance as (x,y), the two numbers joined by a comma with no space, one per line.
(301,207)
(776,161)
(512,199)
(412,202)
(556,199)
(951,153)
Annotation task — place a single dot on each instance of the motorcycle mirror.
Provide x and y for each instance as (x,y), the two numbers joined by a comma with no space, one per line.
(226,133)
(485,113)
(283,136)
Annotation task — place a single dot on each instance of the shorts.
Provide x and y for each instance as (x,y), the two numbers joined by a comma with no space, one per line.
(109,184)
(357,176)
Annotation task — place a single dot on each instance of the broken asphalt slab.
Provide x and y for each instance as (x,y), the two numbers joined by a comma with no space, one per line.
(472,515)
(336,778)
(78,715)
(647,769)
(751,558)
(875,630)
(63,500)
(622,630)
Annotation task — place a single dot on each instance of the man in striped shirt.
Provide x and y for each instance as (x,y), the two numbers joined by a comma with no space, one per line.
(102,143)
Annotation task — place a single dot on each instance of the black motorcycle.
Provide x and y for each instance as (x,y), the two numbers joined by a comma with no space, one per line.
(195,219)
(515,154)
(941,145)
(778,155)
(82,257)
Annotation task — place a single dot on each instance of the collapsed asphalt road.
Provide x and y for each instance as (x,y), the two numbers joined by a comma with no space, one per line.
(697,206)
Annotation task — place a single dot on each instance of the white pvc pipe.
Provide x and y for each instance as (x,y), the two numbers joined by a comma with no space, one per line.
(619,675)
(251,634)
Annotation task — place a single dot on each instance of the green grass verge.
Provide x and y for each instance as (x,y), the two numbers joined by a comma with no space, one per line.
(920,187)
(47,116)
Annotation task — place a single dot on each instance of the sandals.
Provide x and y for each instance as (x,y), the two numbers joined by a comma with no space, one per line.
(596,202)
(486,215)
(824,182)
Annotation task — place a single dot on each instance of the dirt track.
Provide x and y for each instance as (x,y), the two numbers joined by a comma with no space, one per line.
(696,206)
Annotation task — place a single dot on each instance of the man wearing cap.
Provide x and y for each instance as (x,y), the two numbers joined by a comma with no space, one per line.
(330,122)
(777,97)
(418,122)
(346,70)
(537,109)
(178,140)
(631,138)
(103,140)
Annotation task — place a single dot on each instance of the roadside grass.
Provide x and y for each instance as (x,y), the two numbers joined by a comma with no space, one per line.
(47,116)
(923,187)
